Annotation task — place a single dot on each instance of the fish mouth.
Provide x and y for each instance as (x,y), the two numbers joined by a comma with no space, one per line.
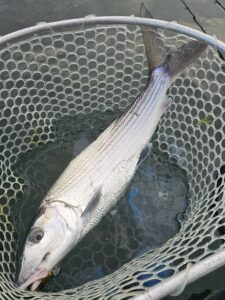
(34,280)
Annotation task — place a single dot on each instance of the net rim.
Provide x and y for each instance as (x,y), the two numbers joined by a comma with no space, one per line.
(179,281)
(174,282)
(117,20)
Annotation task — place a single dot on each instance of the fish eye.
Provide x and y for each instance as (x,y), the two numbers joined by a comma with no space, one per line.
(36,235)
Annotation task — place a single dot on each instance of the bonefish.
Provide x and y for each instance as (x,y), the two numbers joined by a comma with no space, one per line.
(93,181)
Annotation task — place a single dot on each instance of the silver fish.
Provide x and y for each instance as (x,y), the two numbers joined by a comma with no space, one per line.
(93,181)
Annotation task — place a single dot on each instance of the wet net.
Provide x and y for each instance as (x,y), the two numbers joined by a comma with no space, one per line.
(52,79)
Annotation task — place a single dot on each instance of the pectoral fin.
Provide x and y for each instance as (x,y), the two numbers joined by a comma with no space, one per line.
(92,203)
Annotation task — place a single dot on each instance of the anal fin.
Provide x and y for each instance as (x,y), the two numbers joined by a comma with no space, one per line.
(144,154)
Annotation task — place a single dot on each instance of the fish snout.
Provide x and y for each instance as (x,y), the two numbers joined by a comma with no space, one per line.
(23,273)
(30,277)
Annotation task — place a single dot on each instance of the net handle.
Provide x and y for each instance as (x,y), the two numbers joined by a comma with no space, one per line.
(109,20)
(193,273)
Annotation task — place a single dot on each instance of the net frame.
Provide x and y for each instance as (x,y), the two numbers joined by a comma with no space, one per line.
(215,260)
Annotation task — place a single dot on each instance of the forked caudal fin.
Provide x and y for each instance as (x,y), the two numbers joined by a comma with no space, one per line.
(160,55)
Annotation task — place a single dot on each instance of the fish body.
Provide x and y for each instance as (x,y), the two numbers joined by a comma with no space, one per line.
(94,180)
(102,171)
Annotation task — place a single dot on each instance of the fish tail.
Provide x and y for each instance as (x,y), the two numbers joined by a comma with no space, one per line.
(158,55)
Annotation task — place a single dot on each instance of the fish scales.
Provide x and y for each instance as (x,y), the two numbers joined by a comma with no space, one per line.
(125,140)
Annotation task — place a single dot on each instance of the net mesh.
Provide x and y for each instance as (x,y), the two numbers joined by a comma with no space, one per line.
(74,73)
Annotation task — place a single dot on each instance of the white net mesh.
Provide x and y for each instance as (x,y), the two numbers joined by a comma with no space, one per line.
(69,74)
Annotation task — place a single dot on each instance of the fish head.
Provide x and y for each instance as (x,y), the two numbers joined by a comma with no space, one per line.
(49,240)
